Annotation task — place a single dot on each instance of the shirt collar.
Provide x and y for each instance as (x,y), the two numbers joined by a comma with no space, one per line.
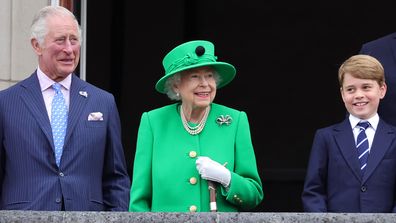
(373,121)
(46,82)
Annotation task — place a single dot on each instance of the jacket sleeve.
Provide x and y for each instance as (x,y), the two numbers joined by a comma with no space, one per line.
(314,196)
(245,189)
(141,190)
(116,181)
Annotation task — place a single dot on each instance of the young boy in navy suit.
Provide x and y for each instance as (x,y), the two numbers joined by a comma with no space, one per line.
(340,177)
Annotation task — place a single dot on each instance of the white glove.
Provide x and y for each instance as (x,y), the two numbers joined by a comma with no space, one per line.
(212,170)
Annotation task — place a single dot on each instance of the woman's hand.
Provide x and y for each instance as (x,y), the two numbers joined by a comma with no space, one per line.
(212,170)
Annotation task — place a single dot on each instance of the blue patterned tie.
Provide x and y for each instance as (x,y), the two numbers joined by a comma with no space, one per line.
(58,121)
(362,145)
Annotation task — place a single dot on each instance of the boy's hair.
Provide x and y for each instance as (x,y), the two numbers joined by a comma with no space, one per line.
(362,67)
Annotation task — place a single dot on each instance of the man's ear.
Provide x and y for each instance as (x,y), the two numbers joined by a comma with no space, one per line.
(36,46)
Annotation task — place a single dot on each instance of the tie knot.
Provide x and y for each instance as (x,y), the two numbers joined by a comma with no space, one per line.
(56,87)
(364,125)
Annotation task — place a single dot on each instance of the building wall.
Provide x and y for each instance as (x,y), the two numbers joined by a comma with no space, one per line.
(17,59)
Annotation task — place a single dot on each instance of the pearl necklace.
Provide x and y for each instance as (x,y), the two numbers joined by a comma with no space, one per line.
(194,130)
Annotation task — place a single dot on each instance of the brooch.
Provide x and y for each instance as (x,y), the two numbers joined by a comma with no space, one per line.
(224,120)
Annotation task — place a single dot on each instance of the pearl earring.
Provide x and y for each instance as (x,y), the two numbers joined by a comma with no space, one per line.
(177,94)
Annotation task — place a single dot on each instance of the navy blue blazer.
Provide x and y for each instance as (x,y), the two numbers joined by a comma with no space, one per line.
(333,180)
(92,175)
(384,49)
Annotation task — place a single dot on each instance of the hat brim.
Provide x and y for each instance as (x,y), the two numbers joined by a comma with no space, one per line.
(225,70)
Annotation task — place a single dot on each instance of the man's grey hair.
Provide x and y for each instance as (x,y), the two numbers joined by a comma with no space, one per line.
(39,28)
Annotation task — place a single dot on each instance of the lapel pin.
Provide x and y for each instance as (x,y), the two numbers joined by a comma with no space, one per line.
(83,93)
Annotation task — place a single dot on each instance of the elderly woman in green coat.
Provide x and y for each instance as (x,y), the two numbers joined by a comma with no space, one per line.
(190,147)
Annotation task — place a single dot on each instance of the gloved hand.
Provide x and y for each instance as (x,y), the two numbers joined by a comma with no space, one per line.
(212,170)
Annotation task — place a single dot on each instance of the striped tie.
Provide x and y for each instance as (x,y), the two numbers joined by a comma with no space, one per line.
(58,121)
(362,145)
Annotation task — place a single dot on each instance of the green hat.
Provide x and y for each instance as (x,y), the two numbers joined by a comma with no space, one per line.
(194,54)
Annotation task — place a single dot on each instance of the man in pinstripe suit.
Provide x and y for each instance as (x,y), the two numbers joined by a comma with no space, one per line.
(91,174)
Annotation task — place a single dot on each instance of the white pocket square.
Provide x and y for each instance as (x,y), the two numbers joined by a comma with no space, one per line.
(95,116)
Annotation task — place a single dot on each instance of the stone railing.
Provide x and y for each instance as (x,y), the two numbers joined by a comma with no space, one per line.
(176,217)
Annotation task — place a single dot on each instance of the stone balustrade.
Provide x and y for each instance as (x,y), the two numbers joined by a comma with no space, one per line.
(203,217)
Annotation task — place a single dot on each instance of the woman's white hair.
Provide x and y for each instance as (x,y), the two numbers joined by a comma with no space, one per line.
(175,79)
(39,29)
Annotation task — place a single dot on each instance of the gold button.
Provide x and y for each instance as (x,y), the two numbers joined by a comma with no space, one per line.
(193,208)
(193,180)
(193,154)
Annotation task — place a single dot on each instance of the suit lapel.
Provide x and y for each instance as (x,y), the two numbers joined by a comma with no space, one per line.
(383,138)
(78,100)
(33,98)
(346,144)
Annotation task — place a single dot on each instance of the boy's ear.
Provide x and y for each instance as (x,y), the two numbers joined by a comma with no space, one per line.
(383,89)
(342,94)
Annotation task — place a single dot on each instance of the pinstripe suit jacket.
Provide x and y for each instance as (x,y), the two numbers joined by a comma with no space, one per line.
(92,175)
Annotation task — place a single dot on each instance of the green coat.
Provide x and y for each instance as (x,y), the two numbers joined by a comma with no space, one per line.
(165,178)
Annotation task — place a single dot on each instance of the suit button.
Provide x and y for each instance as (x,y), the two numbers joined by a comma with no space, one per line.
(57,200)
(193,180)
(363,188)
(193,208)
(61,174)
(192,154)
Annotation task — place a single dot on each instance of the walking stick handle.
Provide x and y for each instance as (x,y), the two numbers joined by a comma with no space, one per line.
(212,195)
